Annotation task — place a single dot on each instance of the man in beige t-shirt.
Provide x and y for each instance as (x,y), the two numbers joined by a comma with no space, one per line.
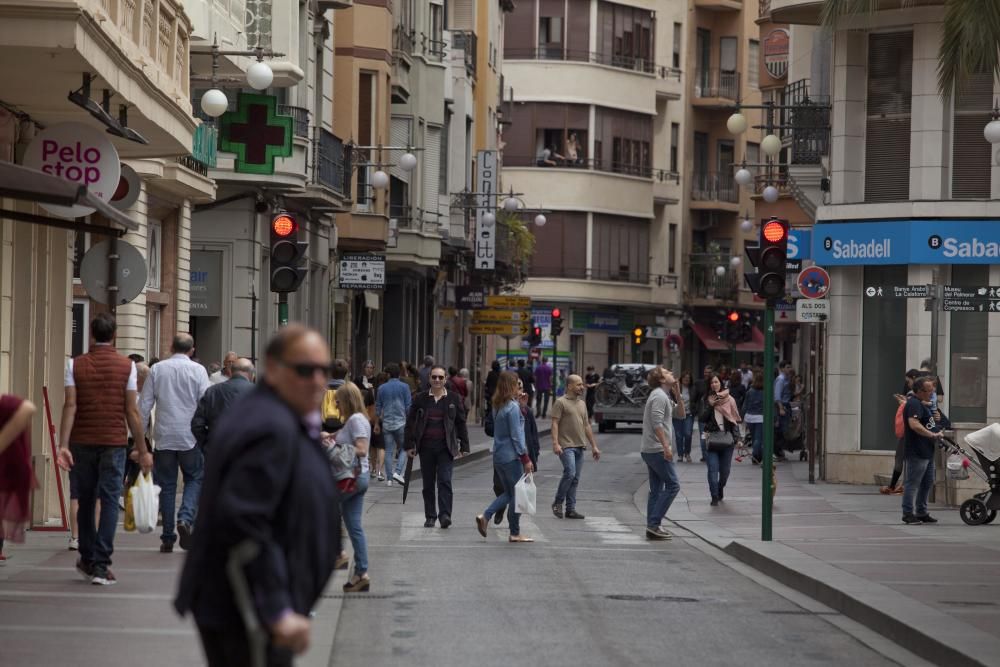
(570,433)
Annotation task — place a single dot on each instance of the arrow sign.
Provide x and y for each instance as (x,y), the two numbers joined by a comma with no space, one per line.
(505,316)
(499,329)
(512,302)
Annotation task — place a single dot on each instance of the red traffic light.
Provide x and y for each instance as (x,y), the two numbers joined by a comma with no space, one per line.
(733,316)
(773,231)
(538,331)
(284,225)
(556,312)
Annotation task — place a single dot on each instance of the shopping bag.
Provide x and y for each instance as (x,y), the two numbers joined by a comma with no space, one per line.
(958,467)
(129,523)
(524,495)
(145,502)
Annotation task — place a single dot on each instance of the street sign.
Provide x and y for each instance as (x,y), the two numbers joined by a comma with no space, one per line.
(506,316)
(976,305)
(812,310)
(814,282)
(130,269)
(898,291)
(495,329)
(362,271)
(793,265)
(504,301)
(953,292)
(468,298)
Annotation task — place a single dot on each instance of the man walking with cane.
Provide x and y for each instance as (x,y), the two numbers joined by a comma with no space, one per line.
(570,434)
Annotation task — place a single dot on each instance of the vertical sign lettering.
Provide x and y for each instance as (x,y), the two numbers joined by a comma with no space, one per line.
(486,232)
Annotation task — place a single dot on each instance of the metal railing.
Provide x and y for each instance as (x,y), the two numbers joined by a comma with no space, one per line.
(623,275)
(558,52)
(193,163)
(665,175)
(467,41)
(590,164)
(433,49)
(710,186)
(301,117)
(331,163)
(808,122)
(704,281)
(723,84)
(403,39)
(403,214)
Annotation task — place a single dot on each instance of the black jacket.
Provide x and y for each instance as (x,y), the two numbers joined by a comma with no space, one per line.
(267,484)
(531,436)
(456,432)
(699,391)
(527,379)
(213,403)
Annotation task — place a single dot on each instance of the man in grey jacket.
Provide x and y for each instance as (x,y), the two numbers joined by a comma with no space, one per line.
(218,398)
(662,407)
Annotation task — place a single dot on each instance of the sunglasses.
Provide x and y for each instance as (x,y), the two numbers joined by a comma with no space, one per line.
(309,370)
(437,377)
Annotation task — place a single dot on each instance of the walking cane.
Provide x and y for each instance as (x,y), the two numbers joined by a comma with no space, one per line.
(239,556)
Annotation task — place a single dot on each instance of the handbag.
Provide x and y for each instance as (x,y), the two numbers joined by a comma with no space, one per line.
(341,459)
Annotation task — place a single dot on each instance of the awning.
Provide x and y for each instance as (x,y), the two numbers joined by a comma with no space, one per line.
(24,183)
(712,343)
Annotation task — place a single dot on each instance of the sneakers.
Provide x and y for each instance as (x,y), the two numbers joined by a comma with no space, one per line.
(184,532)
(573,514)
(86,570)
(911,519)
(74,544)
(557,510)
(927,518)
(103,576)
(399,478)
(389,483)
(657,533)
(381,476)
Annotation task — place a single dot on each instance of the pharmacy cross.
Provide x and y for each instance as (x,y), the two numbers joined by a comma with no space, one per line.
(256,133)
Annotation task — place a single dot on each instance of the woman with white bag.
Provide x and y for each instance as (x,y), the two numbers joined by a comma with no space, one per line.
(510,455)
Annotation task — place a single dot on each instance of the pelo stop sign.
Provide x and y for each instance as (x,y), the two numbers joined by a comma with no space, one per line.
(78,153)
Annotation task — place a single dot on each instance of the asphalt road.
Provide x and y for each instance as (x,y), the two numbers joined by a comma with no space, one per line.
(591,592)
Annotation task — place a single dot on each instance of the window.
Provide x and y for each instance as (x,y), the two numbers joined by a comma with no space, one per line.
(675,140)
(625,36)
(887,137)
(443,164)
(883,357)
(727,54)
(154,314)
(676,62)
(550,32)
(561,246)
(970,155)
(366,121)
(969,350)
(620,249)
(154,250)
(753,66)
(672,249)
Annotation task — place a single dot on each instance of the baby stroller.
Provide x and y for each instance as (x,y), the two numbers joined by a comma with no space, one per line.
(982,507)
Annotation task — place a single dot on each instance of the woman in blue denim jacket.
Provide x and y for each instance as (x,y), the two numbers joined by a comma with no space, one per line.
(510,455)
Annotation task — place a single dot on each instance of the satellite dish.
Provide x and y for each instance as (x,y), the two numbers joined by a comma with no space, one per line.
(130,274)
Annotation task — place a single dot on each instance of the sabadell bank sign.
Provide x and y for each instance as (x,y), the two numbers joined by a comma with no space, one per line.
(78,153)
(907,242)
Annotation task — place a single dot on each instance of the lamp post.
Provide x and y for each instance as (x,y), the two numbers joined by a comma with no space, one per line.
(259,76)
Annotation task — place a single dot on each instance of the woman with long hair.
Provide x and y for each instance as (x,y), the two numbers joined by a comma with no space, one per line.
(355,434)
(753,415)
(721,418)
(510,454)
(684,427)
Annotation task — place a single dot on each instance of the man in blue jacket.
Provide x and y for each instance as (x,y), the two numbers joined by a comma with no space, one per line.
(392,404)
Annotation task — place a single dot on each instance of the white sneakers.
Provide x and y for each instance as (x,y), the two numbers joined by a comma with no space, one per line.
(399,478)
(74,544)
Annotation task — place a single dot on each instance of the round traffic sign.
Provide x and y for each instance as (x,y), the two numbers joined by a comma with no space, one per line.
(814,282)
(130,278)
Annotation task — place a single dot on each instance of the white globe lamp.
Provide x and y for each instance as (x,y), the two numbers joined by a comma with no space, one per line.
(771,145)
(992,131)
(408,162)
(770,194)
(540,220)
(720,271)
(744,177)
(746,226)
(214,103)
(489,218)
(510,205)
(735,262)
(260,75)
(737,123)
(380,180)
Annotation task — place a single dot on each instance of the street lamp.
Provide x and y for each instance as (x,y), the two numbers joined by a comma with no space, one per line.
(770,194)
(746,226)
(510,204)
(743,176)
(720,271)
(771,145)
(540,220)
(260,75)
(992,130)
(489,218)
(214,103)
(408,161)
(735,262)
(737,123)
(380,180)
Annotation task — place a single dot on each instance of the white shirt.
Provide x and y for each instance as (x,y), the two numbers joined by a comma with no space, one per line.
(132,384)
(217,377)
(175,386)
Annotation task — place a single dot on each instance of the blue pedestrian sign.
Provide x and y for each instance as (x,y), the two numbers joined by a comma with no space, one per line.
(814,282)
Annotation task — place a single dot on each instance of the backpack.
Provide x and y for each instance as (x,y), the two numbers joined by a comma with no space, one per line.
(900,421)
(331,415)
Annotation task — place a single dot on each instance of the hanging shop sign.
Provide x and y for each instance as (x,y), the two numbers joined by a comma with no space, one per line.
(362,272)
(256,133)
(776,49)
(78,153)
(485,243)
(907,242)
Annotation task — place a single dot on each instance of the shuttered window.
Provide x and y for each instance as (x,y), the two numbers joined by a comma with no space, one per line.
(431,175)
(887,141)
(970,152)
(399,135)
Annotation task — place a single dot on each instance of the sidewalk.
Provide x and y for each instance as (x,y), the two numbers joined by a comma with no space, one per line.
(931,588)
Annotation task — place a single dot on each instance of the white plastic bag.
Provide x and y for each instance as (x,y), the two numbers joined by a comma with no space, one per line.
(524,495)
(145,503)
(957,467)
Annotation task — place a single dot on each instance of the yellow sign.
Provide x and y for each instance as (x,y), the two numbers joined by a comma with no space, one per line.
(501,316)
(512,302)
(499,329)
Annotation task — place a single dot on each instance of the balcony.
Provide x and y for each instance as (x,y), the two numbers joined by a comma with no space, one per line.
(714,191)
(805,12)
(331,166)
(402,54)
(583,186)
(666,187)
(432,49)
(715,88)
(719,5)
(705,283)
(301,116)
(595,287)
(466,42)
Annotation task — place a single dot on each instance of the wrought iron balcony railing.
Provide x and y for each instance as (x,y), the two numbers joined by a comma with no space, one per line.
(710,186)
(715,83)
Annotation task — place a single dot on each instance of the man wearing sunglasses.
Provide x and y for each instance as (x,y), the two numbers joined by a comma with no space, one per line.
(435,429)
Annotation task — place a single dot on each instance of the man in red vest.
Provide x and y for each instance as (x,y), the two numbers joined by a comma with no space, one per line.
(101,397)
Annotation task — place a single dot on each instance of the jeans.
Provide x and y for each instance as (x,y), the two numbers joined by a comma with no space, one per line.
(509,474)
(719,464)
(757,436)
(352,507)
(919,480)
(395,455)
(191,463)
(542,402)
(683,429)
(435,470)
(99,471)
(572,461)
(663,487)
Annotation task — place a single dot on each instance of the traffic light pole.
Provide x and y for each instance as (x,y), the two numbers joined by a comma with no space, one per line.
(282,309)
(555,368)
(767,465)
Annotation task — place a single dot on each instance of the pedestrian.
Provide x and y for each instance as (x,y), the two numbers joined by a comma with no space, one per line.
(355,435)
(269,520)
(392,405)
(17,476)
(436,430)
(510,455)
(527,378)
(101,389)
(753,415)
(662,408)
(218,398)
(491,384)
(407,375)
(531,439)
(367,380)
(783,389)
(899,461)
(721,419)
(464,374)
(929,368)
(920,424)
(424,384)
(377,445)
(456,383)
(132,453)
(174,387)
(223,374)
(329,412)
(543,387)
(698,396)
(592,379)
(570,434)
(684,427)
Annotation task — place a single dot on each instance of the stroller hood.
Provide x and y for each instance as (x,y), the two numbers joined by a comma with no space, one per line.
(986,441)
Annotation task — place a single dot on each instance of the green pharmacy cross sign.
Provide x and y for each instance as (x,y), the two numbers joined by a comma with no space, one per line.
(256,133)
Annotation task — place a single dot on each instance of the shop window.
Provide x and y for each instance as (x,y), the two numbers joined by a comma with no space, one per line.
(969,336)
(883,358)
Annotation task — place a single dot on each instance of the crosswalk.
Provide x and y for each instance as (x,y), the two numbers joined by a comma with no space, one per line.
(605,530)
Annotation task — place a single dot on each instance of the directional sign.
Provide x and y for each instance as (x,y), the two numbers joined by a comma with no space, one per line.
(814,282)
(509,316)
(512,302)
(358,271)
(953,292)
(812,310)
(499,329)
(970,305)
(898,291)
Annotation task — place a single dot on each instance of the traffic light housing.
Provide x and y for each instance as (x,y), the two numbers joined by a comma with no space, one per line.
(768,259)
(746,328)
(557,322)
(536,336)
(287,254)
(638,335)
(733,328)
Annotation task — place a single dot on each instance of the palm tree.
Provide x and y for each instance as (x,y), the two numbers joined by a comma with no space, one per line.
(970,36)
